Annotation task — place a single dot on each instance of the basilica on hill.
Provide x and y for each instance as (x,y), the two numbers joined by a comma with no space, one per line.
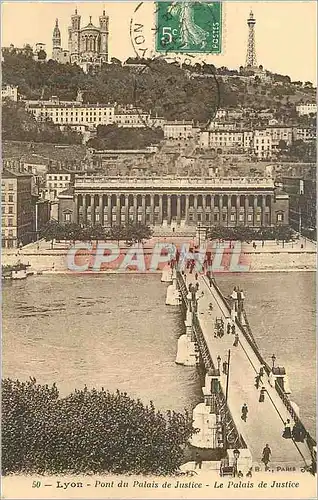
(87,46)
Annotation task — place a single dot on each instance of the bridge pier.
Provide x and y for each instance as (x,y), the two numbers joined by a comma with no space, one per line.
(205,415)
(173,297)
(186,351)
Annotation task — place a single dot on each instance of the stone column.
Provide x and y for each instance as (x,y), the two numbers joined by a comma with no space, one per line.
(229,209)
(101,210)
(109,210)
(135,209)
(84,209)
(126,208)
(246,210)
(212,210)
(263,209)
(75,215)
(203,208)
(195,206)
(152,209)
(178,209)
(186,209)
(255,210)
(118,211)
(238,209)
(169,209)
(160,209)
(92,205)
(143,204)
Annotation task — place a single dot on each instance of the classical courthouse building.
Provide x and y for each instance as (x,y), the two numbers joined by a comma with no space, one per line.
(87,46)
(175,202)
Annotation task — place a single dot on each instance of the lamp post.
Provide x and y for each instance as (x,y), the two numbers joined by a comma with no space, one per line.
(219,362)
(273,361)
(236,454)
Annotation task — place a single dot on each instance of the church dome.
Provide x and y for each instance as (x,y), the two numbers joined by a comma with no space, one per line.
(90,26)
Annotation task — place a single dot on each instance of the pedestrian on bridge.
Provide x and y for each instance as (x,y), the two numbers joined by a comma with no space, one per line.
(224,365)
(244,412)
(210,308)
(196,276)
(228,329)
(299,432)
(262,395)
(236,340)
(233,329)
(257,381)
(287,431)
(266,455)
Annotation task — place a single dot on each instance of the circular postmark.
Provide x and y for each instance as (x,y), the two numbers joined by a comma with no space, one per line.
(173,80)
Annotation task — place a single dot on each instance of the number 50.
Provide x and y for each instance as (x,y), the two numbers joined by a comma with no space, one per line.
(167,31)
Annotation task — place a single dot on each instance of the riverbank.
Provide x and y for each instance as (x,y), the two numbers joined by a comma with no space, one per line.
(270,257)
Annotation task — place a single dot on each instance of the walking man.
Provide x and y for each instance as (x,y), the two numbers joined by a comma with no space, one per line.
(244,412)
(262,395)
(266,456)
(236,340)
(224,367)
(287,434)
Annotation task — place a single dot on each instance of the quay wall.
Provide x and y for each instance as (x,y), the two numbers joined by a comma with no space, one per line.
(48,261)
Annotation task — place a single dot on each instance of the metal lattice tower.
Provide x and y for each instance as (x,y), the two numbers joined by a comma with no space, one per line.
(251,51)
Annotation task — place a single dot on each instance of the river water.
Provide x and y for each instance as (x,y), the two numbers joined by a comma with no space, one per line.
(115,331)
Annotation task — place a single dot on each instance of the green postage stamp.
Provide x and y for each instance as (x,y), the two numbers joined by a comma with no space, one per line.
(189,27)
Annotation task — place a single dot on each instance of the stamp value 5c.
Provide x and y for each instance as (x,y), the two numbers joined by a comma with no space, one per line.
(189,27)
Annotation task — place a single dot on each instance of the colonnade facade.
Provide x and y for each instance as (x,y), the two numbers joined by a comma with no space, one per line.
(179,209)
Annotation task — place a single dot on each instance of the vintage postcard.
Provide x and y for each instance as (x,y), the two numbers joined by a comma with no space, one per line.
(159,249)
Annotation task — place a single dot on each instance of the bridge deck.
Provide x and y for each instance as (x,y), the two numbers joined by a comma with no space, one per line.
(265,421)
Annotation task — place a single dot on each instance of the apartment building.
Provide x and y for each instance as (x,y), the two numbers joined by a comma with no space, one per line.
(178,130)
(56,182)
(262,144)
(9,92)
(306,108)
(73,114)
(17,209)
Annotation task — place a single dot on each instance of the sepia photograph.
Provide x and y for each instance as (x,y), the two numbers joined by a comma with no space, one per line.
(159,249)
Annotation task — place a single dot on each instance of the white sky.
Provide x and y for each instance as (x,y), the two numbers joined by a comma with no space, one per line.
(285,31)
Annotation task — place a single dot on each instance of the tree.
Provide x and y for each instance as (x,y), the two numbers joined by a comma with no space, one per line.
(52,231)
(89,431)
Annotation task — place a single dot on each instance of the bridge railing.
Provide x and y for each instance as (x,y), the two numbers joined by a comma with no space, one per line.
(311,443)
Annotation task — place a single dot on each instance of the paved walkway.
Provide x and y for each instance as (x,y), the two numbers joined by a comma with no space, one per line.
(265,421)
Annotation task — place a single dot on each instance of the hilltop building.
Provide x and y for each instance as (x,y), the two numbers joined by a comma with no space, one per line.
(87,46)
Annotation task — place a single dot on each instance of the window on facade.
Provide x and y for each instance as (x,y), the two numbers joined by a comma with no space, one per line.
(199,217)
(249,217)
(10,222)
(280,217)
(258,218)
(191,217)
(10,210)
(232,217)
(3,197)
(207,217)
(241,218)
(10,187)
